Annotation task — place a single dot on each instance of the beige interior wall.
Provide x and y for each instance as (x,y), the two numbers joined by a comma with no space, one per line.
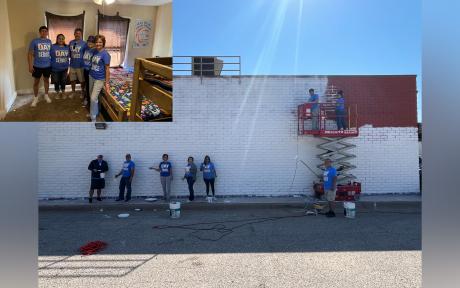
(7,87)
(163,32)
(26,16)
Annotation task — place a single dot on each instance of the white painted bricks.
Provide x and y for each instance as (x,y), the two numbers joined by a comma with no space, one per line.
(249,130)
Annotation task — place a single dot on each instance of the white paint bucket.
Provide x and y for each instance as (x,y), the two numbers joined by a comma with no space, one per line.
(349,209)
(174,209)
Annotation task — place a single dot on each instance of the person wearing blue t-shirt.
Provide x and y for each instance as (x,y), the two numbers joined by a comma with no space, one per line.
(87,56)
(190,175)
(166,177)
(40,63)
(77,48)
(330,185)
(340,113)
(209,175)
(314,98)
(59,65)
(99,74)
(127,172)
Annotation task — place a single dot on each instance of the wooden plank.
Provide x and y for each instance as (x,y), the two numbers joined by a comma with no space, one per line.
(135,96)
(157,95)
(113,115)
(156,68)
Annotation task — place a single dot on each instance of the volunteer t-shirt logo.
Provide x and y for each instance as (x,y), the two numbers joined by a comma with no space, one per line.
(62,56)
(43,50)
(325,176)
(76,51)
(125,167)
(207,168)
(95,61)
(164,167)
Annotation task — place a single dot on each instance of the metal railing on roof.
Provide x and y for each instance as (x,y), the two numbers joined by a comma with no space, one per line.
(207,66)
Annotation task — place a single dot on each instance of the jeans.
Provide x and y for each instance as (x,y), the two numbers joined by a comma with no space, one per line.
(314,119)
(87,92)
(95,86)
(59,78)
(166,185)
(209,182)
(340,116)
(124,182)
(190,182)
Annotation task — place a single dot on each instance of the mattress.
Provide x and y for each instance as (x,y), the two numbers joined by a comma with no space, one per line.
(121,83)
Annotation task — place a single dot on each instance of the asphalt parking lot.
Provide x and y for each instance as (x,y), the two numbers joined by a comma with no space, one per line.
(231,247)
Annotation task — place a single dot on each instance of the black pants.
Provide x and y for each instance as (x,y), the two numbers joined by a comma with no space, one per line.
(87,92)
(207,182)
(59,79)
(190,183)
(124,182)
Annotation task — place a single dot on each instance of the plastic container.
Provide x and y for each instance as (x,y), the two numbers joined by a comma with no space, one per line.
(349,209)
(174,209)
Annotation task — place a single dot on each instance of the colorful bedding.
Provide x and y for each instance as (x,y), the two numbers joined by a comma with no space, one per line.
(121,83)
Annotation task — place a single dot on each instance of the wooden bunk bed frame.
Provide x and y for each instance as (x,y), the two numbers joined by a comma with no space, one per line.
(141,87)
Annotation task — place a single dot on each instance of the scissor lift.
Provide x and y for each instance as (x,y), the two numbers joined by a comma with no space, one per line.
(335,146)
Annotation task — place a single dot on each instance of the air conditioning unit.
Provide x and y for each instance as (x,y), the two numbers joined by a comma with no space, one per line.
(207,66)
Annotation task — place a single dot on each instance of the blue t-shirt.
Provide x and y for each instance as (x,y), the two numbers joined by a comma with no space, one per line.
(165,169)
(41,48)
(209,171)
(328,177)
(76,53)
(314,98)
(340,104)
(98,62)
(127,166)
(87,55)
(59,57)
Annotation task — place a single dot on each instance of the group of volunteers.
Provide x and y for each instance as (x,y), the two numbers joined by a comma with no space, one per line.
(99,167)
(88,62)
(340,113)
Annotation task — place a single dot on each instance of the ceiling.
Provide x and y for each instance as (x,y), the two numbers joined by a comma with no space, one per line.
(132,2)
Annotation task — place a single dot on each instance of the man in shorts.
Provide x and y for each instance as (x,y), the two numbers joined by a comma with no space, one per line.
(39,60)
(77,49)
(330,186)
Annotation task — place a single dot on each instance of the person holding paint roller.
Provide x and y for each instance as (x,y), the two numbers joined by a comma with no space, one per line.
(330,186)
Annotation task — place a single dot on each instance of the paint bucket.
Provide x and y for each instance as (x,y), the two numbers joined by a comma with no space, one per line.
(349,209)
(174,209)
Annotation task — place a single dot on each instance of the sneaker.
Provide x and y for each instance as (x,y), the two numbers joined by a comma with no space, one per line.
(119,199)
(34,102)
(98,199)
(127,200)
(58,94)
(85,103)
(90,200)
(47,98)
(71,95)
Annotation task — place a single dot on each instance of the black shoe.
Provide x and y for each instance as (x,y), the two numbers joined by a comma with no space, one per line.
(90,200)
(330,214)
(127,200)
(119,199)
(98,199)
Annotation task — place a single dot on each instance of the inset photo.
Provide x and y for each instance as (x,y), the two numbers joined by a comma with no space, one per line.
(88,61)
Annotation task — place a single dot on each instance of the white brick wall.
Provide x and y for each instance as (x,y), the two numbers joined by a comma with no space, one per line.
(248,129)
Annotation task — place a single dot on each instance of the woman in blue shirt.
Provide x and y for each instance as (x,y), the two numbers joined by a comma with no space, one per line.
(209,175)
(60,54)
(190,175)
(99,74)
(340,113)
(87,56)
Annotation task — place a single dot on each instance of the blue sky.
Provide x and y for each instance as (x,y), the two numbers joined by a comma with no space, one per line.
(304,37)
